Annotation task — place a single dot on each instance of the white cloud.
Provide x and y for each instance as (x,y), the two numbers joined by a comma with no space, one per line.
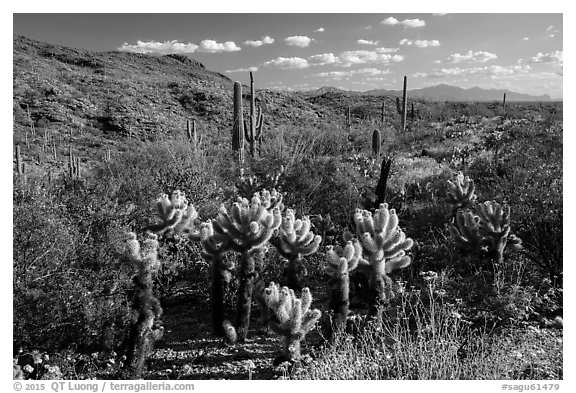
(349,58)
(390,21)
(260,42)
(550,28)
(288,63)
(440,14)
(525,38)
(472,57)
(212,46)
(411,23)
(553,57)
(319,30)
(364,72)
(165,47)
(322,59)
(253,69)
(551,35)
(419,43)
(298,40)
(367,42)
(386,50)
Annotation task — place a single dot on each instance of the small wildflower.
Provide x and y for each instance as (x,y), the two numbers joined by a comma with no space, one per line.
(28,368)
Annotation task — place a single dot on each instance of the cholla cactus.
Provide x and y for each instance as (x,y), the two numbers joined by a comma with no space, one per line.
(292,317)
(384,247)
(488,232)
(342,261)
(146,329)
(495,227)
(466,231)
(295,240)
(175,213)
(247,228)
(461,193)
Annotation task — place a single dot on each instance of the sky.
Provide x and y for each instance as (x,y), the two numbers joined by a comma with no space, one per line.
(519,52)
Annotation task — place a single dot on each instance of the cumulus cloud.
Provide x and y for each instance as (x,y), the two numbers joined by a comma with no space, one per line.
(407,23)
(349,58)
(553,57)
(323,59)
(550,28)
(212,46)
(319,30)
(419,43)
(472,57)
(249,69)
(525,38)
(365,72)
(386,50)
(288,63)
(298,40)
(164,48)
(260,42)
(492,71)
(367,42)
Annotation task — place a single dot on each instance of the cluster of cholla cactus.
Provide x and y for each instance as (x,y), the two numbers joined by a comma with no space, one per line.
(341,262)
(147,329)
(384,247)
(175,213)
(294,241)
(246,229)
(460,193)
(290,317)
(488,232)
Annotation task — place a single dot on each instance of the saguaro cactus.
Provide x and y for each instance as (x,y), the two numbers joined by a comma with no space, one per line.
(460,192)
(19,168)
(384,247)
(376,143)
(292,318)
(504,101)
(238,127)
(341,261)
(247,228)
(402,107)
(146,330)
(256,120)
(348,118)
(294,241)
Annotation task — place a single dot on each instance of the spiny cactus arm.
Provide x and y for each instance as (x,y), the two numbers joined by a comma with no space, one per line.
(295,237)
(144,255)
(271,199)
(466,231)
(461,191)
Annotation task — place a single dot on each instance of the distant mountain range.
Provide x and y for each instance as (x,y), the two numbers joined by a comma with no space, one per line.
(442,92)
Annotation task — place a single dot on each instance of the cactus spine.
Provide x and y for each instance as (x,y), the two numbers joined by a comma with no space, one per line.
(384,247)
(294,241)
(376,143)
(146,330)
(292,317)
(341,261)
(238,127)
(247,228)
(402,107)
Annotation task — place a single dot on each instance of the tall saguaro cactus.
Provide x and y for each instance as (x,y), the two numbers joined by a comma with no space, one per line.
(376,143)
(238,127)
(256,120)
(504,101)
(401,107)
(19,169)
(384,247)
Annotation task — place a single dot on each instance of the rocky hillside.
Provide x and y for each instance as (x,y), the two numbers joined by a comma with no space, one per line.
(93,100)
